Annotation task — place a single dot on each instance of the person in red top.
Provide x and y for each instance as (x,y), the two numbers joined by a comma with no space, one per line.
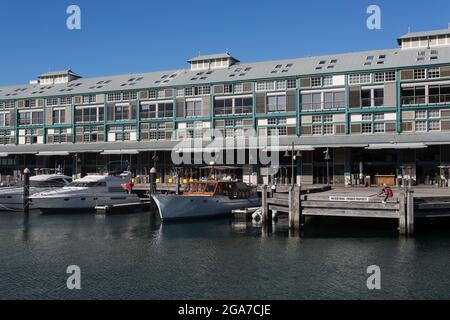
(387,193)
(128,187)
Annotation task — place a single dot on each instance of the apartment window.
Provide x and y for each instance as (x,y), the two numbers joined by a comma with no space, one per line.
(367,128)
(434,73)
(4,119)
(282,131)
(434,125)
(161,94)
(317,130)
(362,78)
(152,94)
(223,107)
(121,113)
(379,77)
(316,82)
(413,95)
(317,119)
(188,92)
(148,111)
(52,102)
(272,121)
(194,109)
(327,81)
(379,128)
(89,99)
(228,88)
(421,114)
(243,105)
(31,118)
(421,126)
(180,92)
(127,96)
(276,103)
(327,119)
(165,110)
(311,101)
(434,114)
(378,97)
(390,76)
(379,116)
(201,91)
(292,84)
(367,117)
(65,101)
(239,88)
(59,116)
(328,129)
(419,74)
(93,114)
(113,97)
(281,85)
(334,100)
(365,78)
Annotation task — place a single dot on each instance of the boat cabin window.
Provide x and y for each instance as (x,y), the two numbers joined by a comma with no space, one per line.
(84,184)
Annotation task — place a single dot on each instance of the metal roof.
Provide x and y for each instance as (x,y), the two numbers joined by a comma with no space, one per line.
(425,34)
(59,73)
(305,143)
(212,57)
(319,65)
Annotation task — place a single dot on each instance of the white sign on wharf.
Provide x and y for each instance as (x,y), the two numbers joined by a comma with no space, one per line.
(349,199)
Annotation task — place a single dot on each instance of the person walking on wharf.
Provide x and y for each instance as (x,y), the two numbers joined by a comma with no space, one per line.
(386,192)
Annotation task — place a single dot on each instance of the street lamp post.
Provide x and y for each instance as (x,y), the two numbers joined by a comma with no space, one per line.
(328,158)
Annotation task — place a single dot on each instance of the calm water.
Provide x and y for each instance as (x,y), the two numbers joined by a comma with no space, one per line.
(135,257)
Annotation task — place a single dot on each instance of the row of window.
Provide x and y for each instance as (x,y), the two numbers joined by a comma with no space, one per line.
(418,95)
(276,85)
(368,78)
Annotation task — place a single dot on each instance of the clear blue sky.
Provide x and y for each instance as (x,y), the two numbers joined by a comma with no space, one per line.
(140,35)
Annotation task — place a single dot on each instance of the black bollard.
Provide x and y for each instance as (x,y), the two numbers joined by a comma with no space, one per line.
(26,191)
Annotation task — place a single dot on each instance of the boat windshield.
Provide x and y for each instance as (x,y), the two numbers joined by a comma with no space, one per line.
(88,184)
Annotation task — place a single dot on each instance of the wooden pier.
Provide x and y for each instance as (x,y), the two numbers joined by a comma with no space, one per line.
(406,206)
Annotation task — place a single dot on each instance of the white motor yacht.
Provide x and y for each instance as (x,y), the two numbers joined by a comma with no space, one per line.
(84,195)
(11,198)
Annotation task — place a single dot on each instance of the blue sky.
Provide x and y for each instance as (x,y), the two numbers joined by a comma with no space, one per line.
(140,35)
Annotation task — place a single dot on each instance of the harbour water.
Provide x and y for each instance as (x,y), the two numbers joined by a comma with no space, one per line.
(137,257)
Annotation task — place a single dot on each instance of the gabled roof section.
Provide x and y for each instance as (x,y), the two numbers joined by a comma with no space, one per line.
(59,73)
(213,56)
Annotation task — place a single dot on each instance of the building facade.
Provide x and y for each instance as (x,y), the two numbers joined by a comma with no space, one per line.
(357,117)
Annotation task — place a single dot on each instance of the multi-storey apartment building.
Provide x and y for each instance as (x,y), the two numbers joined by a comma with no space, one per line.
(376,112)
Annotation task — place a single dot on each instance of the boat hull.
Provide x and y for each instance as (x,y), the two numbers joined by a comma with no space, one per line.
(177,207)
(12,199)
(80,203)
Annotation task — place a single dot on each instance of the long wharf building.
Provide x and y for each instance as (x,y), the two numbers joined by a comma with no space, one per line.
(376,112)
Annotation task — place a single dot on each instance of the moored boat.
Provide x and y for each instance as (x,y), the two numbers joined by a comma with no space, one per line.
(11,198)
(84,195)
(210,198)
